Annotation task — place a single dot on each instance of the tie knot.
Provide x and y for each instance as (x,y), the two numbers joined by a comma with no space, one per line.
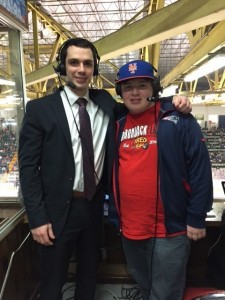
(81,101)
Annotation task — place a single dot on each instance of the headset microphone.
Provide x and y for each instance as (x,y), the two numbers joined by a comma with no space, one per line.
(71,85)
(152,99)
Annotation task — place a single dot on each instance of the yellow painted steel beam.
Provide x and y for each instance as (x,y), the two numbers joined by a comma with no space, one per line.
(43,48)
(151,53)
(179,17)
(195,35)
(214,40)
(42,74)
(35,36)
(55,26)
(222,81)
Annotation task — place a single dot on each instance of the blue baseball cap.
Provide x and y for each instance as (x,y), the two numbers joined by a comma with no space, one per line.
(135,69)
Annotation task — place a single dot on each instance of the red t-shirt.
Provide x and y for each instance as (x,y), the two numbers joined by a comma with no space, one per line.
(140,204)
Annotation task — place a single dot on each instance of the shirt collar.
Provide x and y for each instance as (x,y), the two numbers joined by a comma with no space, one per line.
(72,97)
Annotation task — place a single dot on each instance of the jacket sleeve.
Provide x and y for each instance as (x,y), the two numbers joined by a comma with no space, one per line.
(29,157)
(200,173)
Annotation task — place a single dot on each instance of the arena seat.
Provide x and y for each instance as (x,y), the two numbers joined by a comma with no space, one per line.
(194,293)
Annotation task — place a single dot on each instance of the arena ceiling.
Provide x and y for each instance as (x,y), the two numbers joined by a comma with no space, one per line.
(175,36)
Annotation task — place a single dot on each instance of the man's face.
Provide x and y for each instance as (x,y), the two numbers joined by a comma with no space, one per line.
(135,93)
(79,68)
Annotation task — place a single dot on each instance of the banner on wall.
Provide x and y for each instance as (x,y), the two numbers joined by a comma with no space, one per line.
(15,10)
(199,117)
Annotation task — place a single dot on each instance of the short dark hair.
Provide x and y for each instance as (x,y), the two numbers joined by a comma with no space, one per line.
(81,43)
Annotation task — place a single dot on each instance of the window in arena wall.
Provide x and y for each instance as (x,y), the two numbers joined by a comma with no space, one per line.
(11,112)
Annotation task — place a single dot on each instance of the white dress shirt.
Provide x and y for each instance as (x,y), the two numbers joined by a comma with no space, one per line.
(99,123)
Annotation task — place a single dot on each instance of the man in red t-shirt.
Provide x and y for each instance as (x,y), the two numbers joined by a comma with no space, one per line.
(161,189)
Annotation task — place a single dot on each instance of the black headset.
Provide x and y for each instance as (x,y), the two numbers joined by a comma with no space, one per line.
(156,86)
(78,42)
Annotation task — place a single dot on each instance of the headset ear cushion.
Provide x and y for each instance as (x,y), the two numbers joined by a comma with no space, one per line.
(157,86)
(96,63)
(118,89)
(62,70)
(57,69)
(96,67)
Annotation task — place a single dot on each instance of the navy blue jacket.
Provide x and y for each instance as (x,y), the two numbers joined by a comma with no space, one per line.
(185,176)
(46,161)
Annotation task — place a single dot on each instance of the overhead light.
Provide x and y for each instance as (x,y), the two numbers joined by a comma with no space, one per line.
(210,66)
(169,90)
(197,99)
(6,82)
(222,96)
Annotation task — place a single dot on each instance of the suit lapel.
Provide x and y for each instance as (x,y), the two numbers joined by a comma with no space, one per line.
(57,106)
(101,100)
(58,109)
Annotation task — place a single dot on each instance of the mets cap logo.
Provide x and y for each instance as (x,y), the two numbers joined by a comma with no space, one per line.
(132,68)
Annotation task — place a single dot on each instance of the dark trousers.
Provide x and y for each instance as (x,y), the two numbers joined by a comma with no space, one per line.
(82,232)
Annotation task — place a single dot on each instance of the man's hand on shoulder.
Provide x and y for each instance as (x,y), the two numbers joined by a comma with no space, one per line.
(182,104)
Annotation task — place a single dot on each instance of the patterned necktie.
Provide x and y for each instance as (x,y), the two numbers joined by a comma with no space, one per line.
(87,150)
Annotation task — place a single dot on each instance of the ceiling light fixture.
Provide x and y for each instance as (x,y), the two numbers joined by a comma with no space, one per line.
(169,90)
(215,63)
(6,82)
